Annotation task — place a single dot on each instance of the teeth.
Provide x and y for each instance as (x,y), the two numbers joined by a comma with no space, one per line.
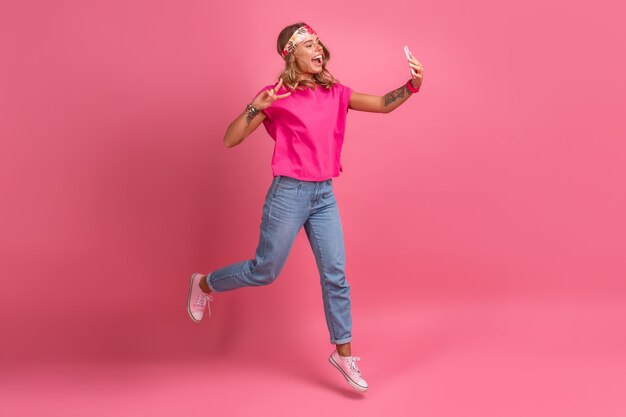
(317,56)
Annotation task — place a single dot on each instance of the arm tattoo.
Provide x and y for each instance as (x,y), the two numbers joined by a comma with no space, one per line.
(396,94)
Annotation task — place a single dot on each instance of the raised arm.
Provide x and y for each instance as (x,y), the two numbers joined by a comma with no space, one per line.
(379,104)
(391,100)
(241,127)
(248,121)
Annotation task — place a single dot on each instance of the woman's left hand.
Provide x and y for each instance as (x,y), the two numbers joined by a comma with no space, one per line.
(417,70)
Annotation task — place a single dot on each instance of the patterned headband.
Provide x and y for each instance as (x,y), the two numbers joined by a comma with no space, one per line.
(303,33)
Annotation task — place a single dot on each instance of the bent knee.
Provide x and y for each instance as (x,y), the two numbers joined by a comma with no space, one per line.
(264,276)
(264,280)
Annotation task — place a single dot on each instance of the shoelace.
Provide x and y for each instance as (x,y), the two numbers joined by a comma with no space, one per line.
(201,302)
(353,367)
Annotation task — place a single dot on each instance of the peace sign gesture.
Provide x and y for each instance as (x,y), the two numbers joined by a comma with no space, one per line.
(267,97)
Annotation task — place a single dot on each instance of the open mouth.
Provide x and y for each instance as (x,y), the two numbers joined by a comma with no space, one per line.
(318,60)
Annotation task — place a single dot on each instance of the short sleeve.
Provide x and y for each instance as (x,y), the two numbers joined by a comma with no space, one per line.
(345,96)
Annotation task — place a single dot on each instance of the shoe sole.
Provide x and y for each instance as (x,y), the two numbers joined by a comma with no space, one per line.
(189,298)
(352,383)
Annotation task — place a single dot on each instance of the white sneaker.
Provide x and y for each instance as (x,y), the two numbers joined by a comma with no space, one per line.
(348,368)
(198,300)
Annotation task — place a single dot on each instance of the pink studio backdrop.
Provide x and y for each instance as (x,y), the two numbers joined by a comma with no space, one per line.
(497,190)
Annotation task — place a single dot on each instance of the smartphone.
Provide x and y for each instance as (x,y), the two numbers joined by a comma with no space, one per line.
(408,56)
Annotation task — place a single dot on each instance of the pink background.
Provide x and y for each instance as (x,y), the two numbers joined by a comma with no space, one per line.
(484,218)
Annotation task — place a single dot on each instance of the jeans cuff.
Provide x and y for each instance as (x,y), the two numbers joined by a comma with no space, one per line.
(341,341)
(208,282)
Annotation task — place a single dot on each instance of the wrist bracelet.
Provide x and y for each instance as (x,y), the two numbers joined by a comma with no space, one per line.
(251,112)
(411,88)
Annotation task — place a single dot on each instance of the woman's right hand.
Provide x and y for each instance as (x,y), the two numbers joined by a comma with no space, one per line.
(267,97)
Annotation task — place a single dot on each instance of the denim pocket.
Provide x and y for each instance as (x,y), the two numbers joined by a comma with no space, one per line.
(288,183)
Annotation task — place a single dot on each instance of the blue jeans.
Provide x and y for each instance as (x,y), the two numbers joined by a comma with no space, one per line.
(291,203)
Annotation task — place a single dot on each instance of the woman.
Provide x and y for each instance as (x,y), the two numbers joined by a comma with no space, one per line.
(306,118)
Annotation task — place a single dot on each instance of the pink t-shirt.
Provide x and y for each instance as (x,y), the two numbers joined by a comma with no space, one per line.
(308,129)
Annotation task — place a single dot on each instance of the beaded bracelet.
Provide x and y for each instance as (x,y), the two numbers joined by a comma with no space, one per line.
(411,88)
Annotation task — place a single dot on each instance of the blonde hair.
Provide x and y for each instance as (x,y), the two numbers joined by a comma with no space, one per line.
(291,72)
